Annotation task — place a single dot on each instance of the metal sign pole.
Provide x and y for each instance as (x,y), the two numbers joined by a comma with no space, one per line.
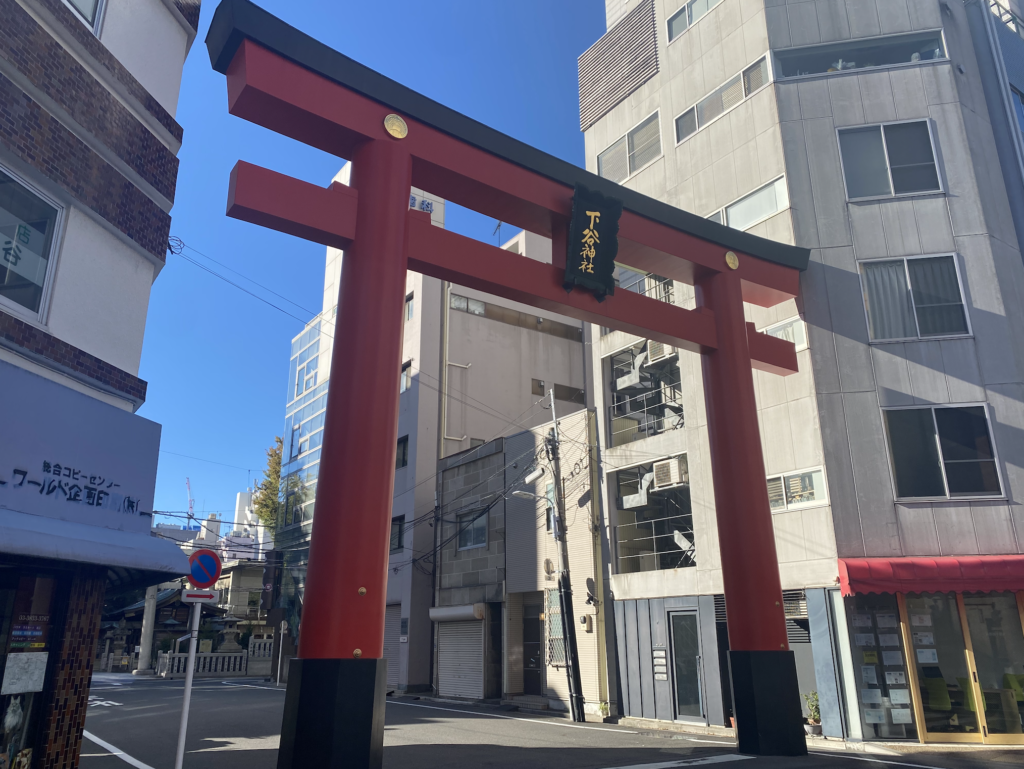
(197,609)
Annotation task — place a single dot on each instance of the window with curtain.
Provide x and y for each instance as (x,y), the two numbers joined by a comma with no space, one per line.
(913,298)
(889,159)
(644,143)
(612,163)
(943,451)
(758,205)
(792,330)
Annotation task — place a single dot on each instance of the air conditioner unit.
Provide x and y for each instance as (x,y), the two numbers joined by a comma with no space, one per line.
(658,351)
(670,472)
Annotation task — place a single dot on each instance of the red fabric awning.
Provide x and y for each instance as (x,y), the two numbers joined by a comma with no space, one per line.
(966,573)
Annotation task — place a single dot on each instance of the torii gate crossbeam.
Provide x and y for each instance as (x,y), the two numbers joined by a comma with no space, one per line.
(284,80)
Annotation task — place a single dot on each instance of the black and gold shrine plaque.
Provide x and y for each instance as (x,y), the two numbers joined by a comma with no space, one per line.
(593,242)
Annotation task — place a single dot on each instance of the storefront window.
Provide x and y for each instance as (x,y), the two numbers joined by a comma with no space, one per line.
(879,663)
(26,629)
(937,637)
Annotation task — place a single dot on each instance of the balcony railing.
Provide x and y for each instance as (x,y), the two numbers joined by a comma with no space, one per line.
(663,543)
(1007,16)
(642,416)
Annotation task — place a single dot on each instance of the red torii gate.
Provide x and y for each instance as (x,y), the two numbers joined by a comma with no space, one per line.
(284,80)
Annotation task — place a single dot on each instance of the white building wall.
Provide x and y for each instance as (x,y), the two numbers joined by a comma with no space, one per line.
(151,41)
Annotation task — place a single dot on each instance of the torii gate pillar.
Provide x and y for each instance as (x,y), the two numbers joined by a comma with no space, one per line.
(279,78)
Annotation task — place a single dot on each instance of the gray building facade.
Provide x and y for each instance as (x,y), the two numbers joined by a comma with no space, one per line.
(884,136)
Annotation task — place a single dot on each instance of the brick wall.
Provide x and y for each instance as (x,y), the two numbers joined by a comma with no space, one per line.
(65,709)
(49,67)
(190,10)
(67,18)
(41,141)
(50,347)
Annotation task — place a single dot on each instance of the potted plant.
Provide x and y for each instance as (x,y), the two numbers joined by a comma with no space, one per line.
(813,725)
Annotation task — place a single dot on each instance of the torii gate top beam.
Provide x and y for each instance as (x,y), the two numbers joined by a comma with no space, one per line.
(503,178)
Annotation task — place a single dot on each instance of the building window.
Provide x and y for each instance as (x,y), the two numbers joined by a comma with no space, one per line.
(562,392)
(570,394)
(687,16)
(793,330)
(405,381)
(942,451)
(861,54)
(632,152)
(307,369)
(611,164)
(889,159)
(793,491)
(913,298)
(644,143)
(402,455)
(722,99)
(27,226)
(513,317)
(655,529)
(555,627)
(678,23)
(409,305)
(474,442)
(757,206)
(1018,106)
(472,530)
(397,533)
(88,10)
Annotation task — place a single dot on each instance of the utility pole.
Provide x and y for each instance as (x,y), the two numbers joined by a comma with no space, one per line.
(572,657)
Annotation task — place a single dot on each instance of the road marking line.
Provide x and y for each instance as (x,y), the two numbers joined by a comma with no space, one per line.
(688,762)
(838,754)
(253,686)
(513,718)
(711,742)
(116,751)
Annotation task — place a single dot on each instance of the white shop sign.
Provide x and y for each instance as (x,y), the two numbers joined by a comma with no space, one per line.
(68,456)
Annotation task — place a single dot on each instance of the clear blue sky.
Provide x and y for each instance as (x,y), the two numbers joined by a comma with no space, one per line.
(216,358)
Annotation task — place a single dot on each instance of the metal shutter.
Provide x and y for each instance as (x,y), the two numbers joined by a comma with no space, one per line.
(460,663)
(392,632)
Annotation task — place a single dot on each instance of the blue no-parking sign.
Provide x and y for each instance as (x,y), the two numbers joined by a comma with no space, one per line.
(205,568)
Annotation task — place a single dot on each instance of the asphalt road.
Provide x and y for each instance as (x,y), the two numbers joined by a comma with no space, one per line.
(236,725)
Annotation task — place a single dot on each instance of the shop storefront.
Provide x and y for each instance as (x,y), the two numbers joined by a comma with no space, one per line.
(936,648)
(76,501)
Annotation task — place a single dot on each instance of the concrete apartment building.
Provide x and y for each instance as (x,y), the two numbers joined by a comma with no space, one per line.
(884,136)
(495,359)
(88,167)
(499,627)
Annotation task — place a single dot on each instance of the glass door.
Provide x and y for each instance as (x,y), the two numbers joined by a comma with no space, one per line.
(968,665)
(686,666)
(947,705)
(997,649)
